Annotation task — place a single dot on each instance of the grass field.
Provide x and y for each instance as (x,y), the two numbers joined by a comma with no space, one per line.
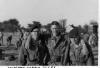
(12,51)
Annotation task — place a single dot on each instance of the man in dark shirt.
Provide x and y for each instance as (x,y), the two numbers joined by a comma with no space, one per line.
(33,51)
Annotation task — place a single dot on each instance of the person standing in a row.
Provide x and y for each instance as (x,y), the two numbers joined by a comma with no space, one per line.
(57,45)
(32,51)
(1,38)
(80,52)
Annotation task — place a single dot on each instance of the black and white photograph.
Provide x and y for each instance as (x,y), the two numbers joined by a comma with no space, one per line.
(49,33)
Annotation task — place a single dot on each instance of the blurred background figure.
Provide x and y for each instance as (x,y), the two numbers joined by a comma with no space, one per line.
(9,39)
(93,38)
(1,38)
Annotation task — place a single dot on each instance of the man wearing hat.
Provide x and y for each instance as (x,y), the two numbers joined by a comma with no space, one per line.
(33,51)
(80,52)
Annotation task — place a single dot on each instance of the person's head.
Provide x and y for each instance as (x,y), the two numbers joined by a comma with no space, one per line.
(54,28)
(75,36)
(35,32)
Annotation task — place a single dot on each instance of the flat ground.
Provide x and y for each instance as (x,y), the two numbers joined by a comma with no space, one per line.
(12,51)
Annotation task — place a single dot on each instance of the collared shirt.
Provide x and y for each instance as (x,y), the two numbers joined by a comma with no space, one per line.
(57,46)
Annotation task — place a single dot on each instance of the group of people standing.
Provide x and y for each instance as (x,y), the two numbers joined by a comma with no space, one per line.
(59,49)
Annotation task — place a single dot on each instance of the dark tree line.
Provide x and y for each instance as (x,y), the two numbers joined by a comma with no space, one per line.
(13,25)
(10,25)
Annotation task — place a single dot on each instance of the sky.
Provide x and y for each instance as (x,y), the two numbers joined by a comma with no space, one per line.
(77,12)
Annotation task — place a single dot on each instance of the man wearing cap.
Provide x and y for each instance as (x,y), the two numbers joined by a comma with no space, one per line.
(57,45)
(32,51)
(80,52)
